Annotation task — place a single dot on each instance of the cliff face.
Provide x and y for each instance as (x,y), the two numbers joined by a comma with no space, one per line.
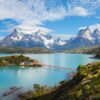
(85,85)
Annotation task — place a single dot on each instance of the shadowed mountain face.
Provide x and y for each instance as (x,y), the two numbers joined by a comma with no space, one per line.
(78,43)
(83,39)
(96,35)
(86,37)
(21,39)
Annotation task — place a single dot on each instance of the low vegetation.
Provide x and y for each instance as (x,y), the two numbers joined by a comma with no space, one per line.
(85,85)
(18,60)
(85,50)
(24,50)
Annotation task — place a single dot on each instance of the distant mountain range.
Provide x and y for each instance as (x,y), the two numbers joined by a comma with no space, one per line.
(87,36)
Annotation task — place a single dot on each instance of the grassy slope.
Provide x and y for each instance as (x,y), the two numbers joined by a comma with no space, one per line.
(85,85)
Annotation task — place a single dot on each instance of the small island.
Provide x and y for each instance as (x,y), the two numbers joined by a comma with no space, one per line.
(18,60)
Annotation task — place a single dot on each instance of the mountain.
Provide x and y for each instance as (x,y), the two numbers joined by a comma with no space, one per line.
(29,38)
(21,39)
(36,37)
(83,39)
(87,37)
(96,36)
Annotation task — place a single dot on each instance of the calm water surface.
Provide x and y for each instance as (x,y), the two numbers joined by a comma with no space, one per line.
(26,77)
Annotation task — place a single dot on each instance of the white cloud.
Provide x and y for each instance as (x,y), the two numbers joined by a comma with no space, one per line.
(78,11)
(1,38)
(64,36)
(36,12)
(88,7)
(30,12)
(88,4)
(30,29)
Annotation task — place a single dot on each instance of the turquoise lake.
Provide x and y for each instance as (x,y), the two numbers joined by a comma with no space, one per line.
(26,77)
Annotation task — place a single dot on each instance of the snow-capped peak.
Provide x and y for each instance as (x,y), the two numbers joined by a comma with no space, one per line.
(85,33)
(94,27)
(96,33)
(91,27)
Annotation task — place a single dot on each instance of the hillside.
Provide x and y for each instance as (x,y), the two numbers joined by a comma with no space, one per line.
(88,50)
(94,50)
(85,85)
(23,50)
(91,50)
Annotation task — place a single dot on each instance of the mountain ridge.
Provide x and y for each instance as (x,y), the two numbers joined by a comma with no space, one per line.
(86,37)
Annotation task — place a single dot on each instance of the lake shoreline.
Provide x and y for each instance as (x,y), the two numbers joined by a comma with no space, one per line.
(80,86)
(27,76)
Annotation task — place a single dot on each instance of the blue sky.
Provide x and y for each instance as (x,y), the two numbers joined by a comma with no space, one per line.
(57,16)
